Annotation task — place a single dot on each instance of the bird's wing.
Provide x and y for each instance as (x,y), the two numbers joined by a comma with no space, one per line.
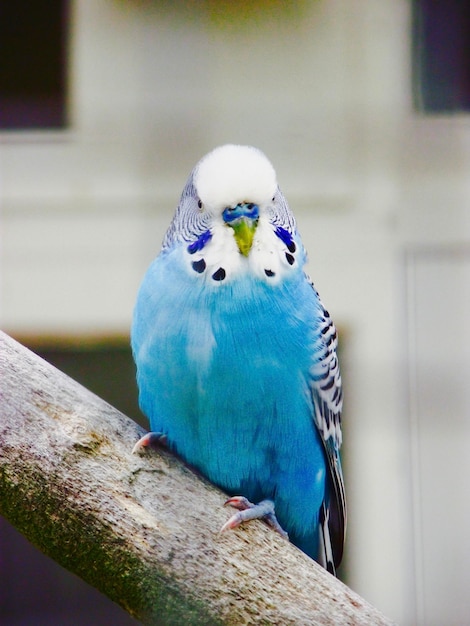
(327,400)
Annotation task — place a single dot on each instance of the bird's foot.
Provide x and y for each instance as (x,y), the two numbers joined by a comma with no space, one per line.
(150,440)
(248,511)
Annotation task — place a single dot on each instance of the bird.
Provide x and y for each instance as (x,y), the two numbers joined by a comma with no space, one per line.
(236,356)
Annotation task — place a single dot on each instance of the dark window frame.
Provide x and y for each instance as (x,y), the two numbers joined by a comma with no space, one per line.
(34,76)
(441,56)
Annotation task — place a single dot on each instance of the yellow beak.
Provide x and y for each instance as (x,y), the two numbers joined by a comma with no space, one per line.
(243,218)
(244,230)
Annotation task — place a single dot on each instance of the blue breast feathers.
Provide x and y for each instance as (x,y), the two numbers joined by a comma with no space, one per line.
(225,371)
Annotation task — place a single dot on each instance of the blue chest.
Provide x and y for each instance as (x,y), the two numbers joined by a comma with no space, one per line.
(224,371)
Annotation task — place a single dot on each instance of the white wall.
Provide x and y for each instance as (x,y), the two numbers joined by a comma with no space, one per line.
(324,90)
(439,310)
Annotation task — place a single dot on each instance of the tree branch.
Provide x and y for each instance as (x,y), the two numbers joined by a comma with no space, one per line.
(143,529)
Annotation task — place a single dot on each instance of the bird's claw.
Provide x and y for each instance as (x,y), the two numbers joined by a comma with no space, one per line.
(239,502)
(150,440)
(248,511)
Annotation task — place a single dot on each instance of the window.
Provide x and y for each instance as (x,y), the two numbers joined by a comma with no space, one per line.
(441,55)
(33,66)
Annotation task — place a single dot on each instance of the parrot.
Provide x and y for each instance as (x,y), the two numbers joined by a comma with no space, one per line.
(236,356)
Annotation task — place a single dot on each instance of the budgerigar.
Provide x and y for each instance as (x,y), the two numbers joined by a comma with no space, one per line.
(236,355)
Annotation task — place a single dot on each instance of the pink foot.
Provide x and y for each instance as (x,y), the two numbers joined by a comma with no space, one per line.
(248,511)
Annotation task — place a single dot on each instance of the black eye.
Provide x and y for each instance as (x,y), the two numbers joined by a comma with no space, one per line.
(274,198)
(199,204)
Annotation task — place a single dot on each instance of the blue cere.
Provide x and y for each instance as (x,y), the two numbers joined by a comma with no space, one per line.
(244,209)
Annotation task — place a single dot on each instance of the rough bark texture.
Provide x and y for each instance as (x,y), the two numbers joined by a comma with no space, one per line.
(143,529)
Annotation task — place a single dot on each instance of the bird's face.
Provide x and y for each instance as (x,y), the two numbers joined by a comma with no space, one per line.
(235,185)
(233,220)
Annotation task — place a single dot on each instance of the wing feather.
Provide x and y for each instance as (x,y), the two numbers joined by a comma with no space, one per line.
(327,397)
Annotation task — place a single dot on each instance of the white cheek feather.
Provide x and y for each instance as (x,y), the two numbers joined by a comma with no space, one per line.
(231,174)
(267,258)
(268,254)
(220,252)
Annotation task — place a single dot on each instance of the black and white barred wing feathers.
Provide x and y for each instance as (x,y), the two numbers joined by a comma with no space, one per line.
(328,400)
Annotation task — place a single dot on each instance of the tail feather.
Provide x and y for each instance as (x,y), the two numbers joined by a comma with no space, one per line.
(325,551)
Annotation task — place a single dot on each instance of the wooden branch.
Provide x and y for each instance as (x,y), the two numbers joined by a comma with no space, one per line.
(143,529)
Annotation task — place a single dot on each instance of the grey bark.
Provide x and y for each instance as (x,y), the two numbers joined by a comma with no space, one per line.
(143,529)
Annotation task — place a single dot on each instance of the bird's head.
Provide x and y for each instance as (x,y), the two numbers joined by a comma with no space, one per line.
(232,219)
(235,184)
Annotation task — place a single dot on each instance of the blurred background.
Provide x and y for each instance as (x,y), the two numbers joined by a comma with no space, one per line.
(362,107)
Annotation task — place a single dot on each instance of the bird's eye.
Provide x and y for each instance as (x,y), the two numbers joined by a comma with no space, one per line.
(274,198)
(199,204)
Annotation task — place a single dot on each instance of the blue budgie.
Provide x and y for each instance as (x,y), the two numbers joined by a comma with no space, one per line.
(236,355)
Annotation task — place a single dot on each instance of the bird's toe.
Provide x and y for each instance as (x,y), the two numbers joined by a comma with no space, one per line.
(150,440)
(247,511)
